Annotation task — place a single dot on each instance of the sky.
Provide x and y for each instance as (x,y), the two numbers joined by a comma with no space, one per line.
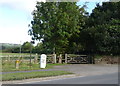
(15,15)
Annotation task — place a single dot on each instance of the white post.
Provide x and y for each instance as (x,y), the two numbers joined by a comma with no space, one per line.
(43,61)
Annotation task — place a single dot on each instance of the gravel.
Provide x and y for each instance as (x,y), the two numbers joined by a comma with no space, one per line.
(90,69)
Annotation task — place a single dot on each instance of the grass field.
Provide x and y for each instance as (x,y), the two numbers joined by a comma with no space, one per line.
(8,64)
(27,75)
(24,66)
(15,54)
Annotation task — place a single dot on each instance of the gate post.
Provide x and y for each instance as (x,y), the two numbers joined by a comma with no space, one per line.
(66,58)
(8,58)
(60,58)
(54,58)
(35,58)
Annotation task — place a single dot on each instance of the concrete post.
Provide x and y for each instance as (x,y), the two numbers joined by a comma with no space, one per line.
(43,61)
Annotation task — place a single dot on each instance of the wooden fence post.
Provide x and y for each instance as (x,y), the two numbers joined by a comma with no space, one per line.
(35,58)
(17,64)
(54,58)
(8,58)
(60,58)
(66,58)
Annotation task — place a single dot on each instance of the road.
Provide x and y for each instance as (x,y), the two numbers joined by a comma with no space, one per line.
(94,79)
(83,74)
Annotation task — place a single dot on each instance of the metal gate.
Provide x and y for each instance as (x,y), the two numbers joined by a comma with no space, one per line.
(83,59)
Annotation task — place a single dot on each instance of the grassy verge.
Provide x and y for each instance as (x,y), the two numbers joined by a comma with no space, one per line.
(7,67)
(27,75)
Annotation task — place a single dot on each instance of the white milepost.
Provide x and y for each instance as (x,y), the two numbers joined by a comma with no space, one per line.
(43,61)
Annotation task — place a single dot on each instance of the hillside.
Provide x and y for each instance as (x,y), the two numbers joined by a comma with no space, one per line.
(4,46)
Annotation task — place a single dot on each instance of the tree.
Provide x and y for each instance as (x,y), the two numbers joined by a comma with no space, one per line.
(55,23)
(26,47)
(39,48)
(16,50)
(114,0)
(104,13)
(102,33)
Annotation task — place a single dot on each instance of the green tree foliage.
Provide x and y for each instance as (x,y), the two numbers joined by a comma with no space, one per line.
(63,27)
(114,0)
(102,32)
(40,49)
(74,40)
(26,47)
(105,13)
(16,50)
(56,23)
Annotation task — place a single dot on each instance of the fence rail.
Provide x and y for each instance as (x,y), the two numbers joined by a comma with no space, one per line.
(16,55)
(51,58)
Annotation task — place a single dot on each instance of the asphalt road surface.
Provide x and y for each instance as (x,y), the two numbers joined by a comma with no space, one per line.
(83,74)
(95,79)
